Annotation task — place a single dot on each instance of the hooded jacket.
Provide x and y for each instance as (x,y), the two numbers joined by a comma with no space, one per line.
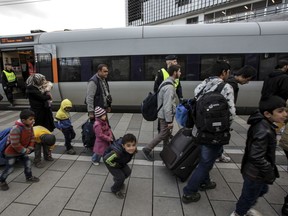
(20,138)
(116,156)
(62,116)
(258,162)
(276,84)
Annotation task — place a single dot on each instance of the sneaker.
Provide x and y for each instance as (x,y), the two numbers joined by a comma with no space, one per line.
(208,186)
(39,165)
(4,186)
(224,159)
(194,197)
(119,195)
(253,212)
(71,152)
(234,214)
(146,153)
(33,179)
(49,158)
(95,163)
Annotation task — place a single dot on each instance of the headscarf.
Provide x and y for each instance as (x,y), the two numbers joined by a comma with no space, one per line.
(36,80)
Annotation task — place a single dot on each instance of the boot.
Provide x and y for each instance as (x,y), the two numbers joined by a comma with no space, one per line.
(285,207)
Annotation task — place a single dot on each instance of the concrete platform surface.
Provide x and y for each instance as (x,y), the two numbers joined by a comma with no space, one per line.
(72,186)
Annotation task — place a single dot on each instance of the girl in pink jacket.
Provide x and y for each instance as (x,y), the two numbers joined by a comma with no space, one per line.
(103,135)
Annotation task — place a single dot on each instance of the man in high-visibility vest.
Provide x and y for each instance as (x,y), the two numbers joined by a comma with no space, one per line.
(9,81)
(163,75)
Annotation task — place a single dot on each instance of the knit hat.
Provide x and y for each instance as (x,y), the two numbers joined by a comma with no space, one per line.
(99,112)
(171,57)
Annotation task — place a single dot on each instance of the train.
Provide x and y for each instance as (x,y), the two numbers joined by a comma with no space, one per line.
(135,54)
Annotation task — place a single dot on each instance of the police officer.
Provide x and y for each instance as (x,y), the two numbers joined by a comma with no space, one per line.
(9,81)
(163,75)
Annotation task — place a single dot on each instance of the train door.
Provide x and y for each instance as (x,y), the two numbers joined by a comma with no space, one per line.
(19,58)
(46,64)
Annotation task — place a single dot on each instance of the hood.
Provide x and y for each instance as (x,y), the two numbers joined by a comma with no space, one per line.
(276,73)
(62,114)
(117,146)
(19,123)
(255,117)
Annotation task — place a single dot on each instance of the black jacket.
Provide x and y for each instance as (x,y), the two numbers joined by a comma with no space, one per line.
(276,84)
(116,156)
(233,82)
(258,161)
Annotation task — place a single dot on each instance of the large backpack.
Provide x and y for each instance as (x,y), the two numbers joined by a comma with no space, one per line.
(3,143)
(88,135)
(149,106)
(212,118)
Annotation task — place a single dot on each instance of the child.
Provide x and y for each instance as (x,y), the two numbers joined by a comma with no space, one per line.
(64,124)
(116,158)
(46,89)
(20,144)
(43,139)
(258,164)
(103,133)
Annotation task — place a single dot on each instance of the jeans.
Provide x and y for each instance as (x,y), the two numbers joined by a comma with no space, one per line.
(209,153)
(96,157)
(119,176)
(10,161)
(250,192)
(69,135)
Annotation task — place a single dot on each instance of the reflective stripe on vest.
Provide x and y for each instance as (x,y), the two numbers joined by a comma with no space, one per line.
(166,75)
(10,76)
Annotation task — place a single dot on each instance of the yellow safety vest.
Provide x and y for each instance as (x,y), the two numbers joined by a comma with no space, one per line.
(10,76)
(166,75)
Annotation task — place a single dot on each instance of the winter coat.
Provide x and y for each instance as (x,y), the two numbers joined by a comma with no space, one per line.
(62,116)
(103,135)
(38,103)
(276,84)
(258,162)
(20,138)
(116,156)
(167,98)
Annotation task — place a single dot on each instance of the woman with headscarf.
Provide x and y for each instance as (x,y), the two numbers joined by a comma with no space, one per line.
(39,101)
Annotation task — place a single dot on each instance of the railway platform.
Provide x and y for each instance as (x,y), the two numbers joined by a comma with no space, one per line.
(72,186)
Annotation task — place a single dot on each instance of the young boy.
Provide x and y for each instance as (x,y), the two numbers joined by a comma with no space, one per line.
(116,158)
(64,124)
(43,139)
(258,164)
(20,144)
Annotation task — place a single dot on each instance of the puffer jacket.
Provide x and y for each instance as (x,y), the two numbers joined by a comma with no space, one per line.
(258,162)
(62,118)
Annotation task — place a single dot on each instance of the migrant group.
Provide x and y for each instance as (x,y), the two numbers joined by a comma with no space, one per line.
(258,166)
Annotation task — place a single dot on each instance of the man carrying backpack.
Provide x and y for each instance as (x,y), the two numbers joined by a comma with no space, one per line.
(209,132)
(166,101)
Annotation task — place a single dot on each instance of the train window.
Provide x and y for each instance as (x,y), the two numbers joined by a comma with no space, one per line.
(119,67)
(267,64)
(235,60)
(44,65)
(154,63)
(69,70)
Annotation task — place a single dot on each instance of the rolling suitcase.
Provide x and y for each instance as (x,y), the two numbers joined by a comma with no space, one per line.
(181,155)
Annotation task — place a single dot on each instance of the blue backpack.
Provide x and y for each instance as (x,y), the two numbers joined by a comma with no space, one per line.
(185,113)
(3,143)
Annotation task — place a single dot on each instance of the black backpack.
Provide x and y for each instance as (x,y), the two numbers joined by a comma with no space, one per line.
(88,135)
(212,118)
(149,106)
